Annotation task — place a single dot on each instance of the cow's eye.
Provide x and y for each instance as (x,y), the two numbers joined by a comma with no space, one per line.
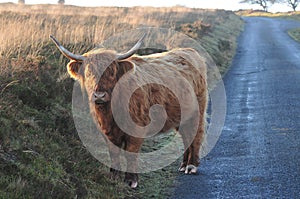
(112,74)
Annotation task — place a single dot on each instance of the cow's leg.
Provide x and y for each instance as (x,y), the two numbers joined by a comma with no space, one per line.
(132,147)
(193,158)
(192,143)
(194,149)
(114,152)
(187,139)
(114,146)
(186,142)
(184,161)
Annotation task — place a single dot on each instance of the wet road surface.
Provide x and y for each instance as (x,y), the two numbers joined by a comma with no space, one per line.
(258,153)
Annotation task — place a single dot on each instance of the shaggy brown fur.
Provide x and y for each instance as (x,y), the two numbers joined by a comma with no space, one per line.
(150,73)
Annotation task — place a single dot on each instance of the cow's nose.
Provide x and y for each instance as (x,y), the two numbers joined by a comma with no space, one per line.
(100,97)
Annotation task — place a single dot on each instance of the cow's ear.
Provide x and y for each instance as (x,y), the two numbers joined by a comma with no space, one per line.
(74,68)
(124,67)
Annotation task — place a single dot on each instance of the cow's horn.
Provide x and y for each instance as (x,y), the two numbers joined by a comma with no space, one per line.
(67,53)
(132,50)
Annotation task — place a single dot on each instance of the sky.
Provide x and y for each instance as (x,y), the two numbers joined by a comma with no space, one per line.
(220,4)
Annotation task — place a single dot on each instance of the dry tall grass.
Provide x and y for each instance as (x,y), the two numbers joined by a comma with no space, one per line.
(25,28)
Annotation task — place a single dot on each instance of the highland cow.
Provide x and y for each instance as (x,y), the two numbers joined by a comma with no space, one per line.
(98,72)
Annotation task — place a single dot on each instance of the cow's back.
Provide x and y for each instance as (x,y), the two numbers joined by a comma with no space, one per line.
(162,76)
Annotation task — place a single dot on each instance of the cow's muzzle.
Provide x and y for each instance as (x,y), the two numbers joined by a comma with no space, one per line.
(100,97)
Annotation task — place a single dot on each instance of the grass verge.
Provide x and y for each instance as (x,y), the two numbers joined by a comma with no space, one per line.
(295,34)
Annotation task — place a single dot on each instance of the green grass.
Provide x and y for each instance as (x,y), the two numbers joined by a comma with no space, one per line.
(295,34)
(41,155)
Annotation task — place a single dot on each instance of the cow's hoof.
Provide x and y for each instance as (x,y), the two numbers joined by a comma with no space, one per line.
(131,179)
(131,183)
(182,168)
(190,169)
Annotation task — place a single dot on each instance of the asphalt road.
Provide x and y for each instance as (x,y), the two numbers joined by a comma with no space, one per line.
(258,153)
